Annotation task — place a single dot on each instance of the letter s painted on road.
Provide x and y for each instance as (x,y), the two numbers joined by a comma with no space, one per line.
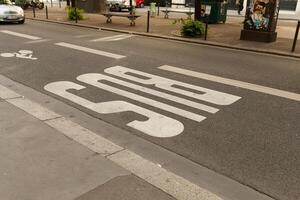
(157,125)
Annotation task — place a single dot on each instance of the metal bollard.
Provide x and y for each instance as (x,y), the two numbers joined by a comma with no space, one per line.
(76,16)
(51,3)
(33,10)
(46,12)
(59,3)
(158,9)
(206,27)
(148,20)
(296,37)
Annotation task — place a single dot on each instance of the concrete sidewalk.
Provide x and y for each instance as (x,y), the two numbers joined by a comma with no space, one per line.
(40,163)
(226,35)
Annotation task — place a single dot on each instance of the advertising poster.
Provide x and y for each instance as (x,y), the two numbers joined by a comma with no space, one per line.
(260,15)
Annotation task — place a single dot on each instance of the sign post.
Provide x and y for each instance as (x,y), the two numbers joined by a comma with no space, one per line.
(261,21)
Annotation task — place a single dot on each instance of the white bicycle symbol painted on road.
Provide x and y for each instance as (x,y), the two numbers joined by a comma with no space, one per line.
(26,54)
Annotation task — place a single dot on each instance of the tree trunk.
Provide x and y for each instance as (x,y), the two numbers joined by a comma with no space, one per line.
(102,6)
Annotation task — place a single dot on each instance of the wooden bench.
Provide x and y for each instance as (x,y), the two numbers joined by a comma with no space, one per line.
(131,17)
(189,12)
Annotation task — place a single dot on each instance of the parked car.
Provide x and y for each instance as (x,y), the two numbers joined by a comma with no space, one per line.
(140,3)
(33,3)
(10,12)
(119,5)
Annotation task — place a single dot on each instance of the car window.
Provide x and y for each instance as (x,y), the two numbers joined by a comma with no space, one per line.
(6,2)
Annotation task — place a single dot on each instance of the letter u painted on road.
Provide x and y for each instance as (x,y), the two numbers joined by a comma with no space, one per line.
(157,125)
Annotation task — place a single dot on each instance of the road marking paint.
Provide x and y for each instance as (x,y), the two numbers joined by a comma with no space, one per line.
(84,136)
(172,184)
(232,82)
(93,79)
(167,181)
(112,38)
(38,41)
(162,94)
(6,93)
(201,93)
(89,50)
(26,54)
(34,109)
(83,36)
(156,125)
(21,35)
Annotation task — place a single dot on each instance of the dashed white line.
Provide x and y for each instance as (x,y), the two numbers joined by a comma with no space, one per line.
(37,41)
(231,82)
(89,50)
(20,35)
(112,38)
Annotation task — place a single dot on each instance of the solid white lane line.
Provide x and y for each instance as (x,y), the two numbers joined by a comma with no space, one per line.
(236,83)
(6,93)
(112,38)
(154,174)
(84,136)
(83,36)
(89,50)
(37,41)
(33,108)
(21,35)
(167,181)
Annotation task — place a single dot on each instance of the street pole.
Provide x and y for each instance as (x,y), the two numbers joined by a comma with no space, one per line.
(46,12)
(296,37)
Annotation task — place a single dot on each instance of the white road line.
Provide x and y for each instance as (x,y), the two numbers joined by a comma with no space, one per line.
(84,136)
(6,93)
(154,174)
(21,35)
(33,108)
(83,36)
(89,50)
(236,83)
(37,41)
(112,38)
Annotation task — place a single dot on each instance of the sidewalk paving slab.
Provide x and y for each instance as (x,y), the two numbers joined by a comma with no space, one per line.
(39,163)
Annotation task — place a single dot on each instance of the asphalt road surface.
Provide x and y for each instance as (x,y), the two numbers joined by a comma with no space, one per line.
(234,112)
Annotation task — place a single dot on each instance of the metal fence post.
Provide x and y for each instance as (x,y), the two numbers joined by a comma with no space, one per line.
(76,16)
(51,3)
(296,37)
(158,9)
(148,20)
(59,3)
(46,12)
(206,26)
(33,10)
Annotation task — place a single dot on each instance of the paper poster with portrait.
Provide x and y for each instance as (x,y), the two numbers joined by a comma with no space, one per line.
(260,15)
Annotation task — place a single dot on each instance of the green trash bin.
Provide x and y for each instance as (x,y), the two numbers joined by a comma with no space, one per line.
(216,9)
(152,9)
